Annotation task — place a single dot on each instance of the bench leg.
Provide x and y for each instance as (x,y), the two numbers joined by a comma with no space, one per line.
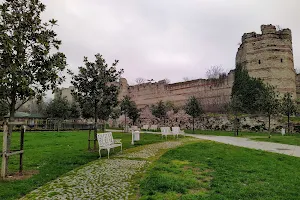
(108,153)
(99,153)
(121,148)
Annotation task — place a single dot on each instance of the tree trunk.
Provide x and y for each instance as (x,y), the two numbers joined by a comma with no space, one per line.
(193,125)
(12,111)
(288,123)
(95,123)
(125,129)
(269,128)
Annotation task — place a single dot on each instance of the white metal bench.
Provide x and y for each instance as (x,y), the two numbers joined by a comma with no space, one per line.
(165,131)
(134,128)
(153,128)
(145,127)
(176,131)
(106,141)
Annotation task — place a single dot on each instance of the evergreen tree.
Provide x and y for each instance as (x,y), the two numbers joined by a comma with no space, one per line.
(28,67)
(247,89)
(95,89)
(288,107)
(194,109)
(159,110)
(269,103)
(74,111)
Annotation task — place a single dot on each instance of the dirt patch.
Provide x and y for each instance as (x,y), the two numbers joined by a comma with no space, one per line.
(26,175)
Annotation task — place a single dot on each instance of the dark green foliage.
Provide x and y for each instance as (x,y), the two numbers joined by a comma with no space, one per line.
(247,91)
(288,107)
(27,66)
(210,170)
(159,110)
(96,89)
(129,108)
(193,108)
(268,102)
(58,108)
(74,111)
(3,109)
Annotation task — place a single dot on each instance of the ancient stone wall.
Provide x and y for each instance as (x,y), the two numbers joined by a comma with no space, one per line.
(213,94)
(269,56)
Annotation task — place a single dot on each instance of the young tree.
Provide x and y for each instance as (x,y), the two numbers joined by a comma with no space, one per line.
(159,110)
(29,57)
(268,103)
(194,109)
(125,106)
(134,112)
(235,107)
(59,109)
(94,88)
(288,107)
(74,111)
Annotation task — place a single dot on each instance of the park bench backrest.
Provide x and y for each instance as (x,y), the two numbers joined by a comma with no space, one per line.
(153,127)
(176,129)
(134,128)
(145,127)
(105,139)
(165,129)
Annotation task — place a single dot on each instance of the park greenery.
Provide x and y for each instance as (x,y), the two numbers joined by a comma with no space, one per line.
(52,154)
(194,109)
(28,67)
(129,109)
(95,90)
(209,170)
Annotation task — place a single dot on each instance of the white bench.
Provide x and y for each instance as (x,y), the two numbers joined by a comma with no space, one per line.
(176,131)
(106,141)
(165,131)
(153,128)
(134,128)
(145,127)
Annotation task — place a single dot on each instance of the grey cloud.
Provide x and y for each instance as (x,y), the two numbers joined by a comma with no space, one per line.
(167,38)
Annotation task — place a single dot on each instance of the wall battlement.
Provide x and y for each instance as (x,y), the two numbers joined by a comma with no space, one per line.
(268,31)
(269,56)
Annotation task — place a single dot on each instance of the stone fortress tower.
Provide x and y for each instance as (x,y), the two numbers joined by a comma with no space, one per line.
(269,56)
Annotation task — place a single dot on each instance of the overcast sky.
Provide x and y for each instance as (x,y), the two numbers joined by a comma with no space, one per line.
(165,38)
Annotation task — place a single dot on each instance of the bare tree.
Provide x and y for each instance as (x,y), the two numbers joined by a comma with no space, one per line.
(278,28)
(140,80)
(167,81)
(214,72)
(186,78)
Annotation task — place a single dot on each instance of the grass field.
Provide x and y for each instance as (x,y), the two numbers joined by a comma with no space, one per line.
(293,140)
(52,154)
(229,133)
(208,170)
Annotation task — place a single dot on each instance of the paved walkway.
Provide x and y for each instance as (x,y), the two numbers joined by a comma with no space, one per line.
(104,178)
(291,150)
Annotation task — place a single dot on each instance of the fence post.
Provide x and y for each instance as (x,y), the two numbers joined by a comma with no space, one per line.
(21,148)
(4,150)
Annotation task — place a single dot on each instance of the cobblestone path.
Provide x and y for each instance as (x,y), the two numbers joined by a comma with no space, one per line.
(103,178)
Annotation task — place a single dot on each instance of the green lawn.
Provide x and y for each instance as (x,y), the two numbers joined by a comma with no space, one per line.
(209,170)
(229,133)
(53,154)
(293,140)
